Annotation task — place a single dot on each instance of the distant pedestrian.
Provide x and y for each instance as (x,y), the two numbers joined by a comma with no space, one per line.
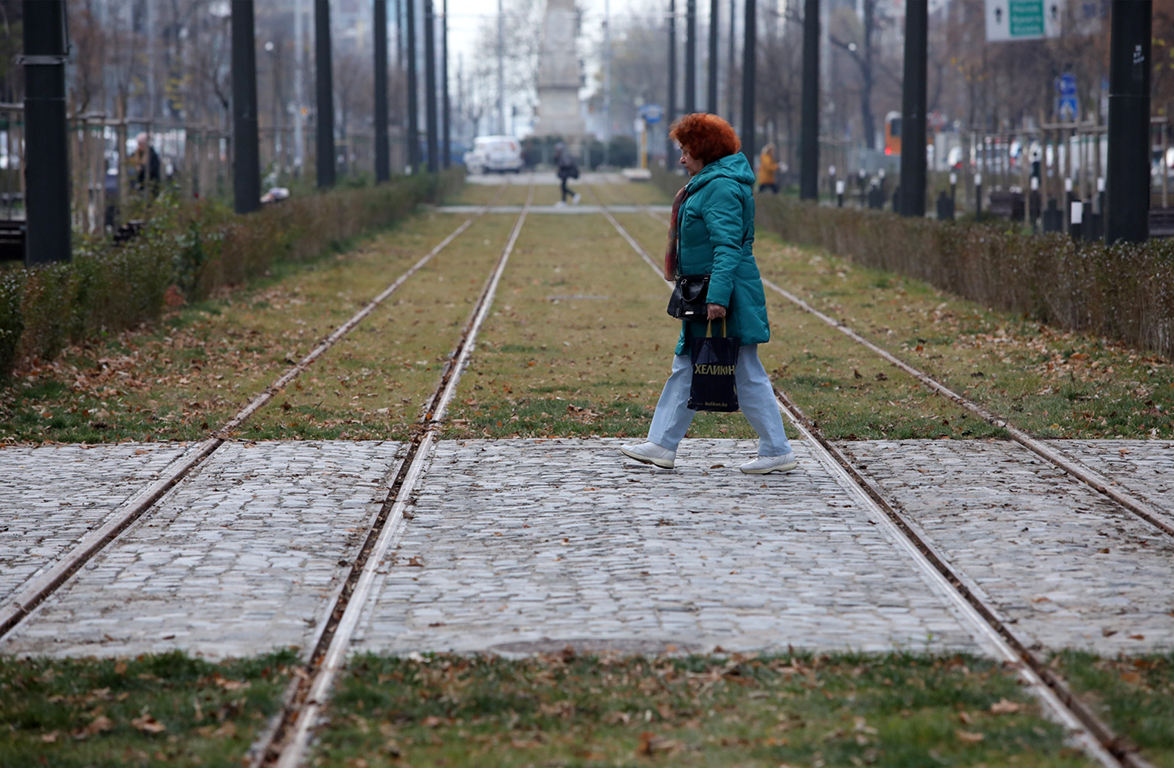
(146,162)
(712,233)
(768,169)
(567,169)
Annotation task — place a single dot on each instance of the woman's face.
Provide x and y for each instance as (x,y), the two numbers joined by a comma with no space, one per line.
(692,164)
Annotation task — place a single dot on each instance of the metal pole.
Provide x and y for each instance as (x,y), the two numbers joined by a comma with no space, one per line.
(325,82)
(430,87)
(413,88)
(446,108)
(749,59)
(500,70)
(46,142)
(913,109)
(711,100)
(1128,185)
(690,56)
(246,154)
(809,119)
(671,115)
(731,57)
(606,82)
(299,87)
(382,147)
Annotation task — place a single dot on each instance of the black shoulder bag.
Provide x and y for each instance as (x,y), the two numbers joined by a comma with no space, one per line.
(688,299)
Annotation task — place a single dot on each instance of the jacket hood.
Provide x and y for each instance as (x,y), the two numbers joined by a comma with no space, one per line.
(734,167)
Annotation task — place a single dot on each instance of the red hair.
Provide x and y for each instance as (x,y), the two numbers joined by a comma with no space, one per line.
(705,137)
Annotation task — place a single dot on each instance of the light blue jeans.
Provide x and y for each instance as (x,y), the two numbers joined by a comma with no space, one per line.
(756,398)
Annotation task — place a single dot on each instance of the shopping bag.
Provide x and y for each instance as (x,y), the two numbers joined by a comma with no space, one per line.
(714,387)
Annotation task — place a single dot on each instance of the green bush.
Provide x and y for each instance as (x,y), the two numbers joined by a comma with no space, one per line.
(197,248)
(1123,292)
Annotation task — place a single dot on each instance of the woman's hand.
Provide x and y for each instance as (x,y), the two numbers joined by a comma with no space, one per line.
(715,311)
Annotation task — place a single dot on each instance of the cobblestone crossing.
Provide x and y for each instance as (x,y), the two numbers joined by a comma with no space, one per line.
(527,545)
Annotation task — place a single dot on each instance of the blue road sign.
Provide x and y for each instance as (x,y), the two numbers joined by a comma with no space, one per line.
(651,113)
(1066,84)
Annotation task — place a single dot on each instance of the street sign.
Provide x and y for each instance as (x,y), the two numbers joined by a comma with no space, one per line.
(1010,20)
(651,113)
(1066,102)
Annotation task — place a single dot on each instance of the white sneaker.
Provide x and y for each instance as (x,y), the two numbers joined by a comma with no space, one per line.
(650,453)
(764,465)
(575,200)
(560,204)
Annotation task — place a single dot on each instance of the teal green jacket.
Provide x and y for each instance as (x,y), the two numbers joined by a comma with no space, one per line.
(715,236)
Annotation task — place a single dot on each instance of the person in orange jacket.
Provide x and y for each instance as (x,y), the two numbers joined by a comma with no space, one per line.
(768,169)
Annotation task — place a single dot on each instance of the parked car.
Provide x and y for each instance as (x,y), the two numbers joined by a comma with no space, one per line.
(494,154)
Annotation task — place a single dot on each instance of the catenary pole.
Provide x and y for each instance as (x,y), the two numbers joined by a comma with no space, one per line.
(711,100)
(912,200)
(809,118)
(606,82)
(246,150)
(749,61)
(413,90)
(446,105)
(46,143)
(731,57)
(382,147)
(325,86)
(1127,183)
(299,88)
(671,114)
(500,69)
(690,56)
(430,87)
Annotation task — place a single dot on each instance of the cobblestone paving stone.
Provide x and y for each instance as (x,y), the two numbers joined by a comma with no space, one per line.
(240,559)
(1141,467)
(521,545)
(51,496)
(1069,566)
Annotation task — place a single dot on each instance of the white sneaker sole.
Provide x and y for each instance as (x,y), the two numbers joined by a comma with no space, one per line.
(662,463)
(788,467)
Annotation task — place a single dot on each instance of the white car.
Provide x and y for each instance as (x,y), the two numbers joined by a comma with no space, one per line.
(497,154)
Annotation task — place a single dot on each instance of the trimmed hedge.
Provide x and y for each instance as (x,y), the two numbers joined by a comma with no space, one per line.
(196,248)
(1122,292)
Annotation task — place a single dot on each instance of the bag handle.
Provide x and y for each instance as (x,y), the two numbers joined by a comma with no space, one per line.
(709,329)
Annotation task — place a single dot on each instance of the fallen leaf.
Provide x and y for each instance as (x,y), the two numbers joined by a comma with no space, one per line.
(432,722)
(651,744)
(50,737)
(1132,678)
(969,737)
(1004,707)
(415,562)
(148,724)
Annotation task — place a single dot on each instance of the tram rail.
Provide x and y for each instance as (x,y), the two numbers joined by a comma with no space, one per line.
(991,630)
(285,745)
(41,587)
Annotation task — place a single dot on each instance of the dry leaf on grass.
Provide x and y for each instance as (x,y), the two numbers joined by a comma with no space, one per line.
(651,744)
(148,724)
(99,724)
(969,737)
(1004,707)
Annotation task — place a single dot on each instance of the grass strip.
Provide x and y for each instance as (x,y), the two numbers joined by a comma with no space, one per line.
(205,361)
(165,709)
(577,344)
(1134,694)
(375,382)
(900,709)
(849,392)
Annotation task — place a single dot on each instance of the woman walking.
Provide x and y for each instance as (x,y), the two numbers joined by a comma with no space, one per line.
(712,232)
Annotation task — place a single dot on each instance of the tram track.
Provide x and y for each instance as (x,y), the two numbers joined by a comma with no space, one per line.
(284,745)
(991,630)
(40,588)
(1158,518)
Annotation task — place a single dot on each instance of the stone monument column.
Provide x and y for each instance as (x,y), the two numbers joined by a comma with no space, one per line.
(558,77)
